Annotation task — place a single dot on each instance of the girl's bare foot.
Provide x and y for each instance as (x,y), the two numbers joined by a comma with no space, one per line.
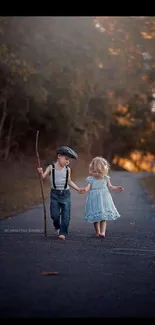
(97,228)
(61,237)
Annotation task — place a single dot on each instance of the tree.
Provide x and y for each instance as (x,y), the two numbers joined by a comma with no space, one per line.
(82,79)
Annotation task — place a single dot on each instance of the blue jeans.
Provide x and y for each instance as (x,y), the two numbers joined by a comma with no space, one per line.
(60,206)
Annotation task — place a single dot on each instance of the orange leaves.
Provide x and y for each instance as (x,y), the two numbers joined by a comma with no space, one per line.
(123,121)
(138,51)
(153,34)
(135,162)
(114,51)
(100,65)
(144,77)
(126,118)
(146,35)
(126,163)
(122,109)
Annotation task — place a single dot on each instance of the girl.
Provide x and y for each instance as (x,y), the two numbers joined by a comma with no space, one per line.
(99,205)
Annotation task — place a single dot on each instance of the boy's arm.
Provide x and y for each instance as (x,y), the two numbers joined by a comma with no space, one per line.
(44,174)
(70,182)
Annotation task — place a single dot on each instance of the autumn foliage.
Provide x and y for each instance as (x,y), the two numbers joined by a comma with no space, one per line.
(82,81)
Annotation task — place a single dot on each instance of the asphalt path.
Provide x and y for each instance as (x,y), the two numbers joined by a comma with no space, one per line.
(111,277)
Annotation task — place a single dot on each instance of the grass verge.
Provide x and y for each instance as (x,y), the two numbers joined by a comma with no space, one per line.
(20,186)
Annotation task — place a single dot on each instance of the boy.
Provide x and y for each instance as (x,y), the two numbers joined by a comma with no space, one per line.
(60,197)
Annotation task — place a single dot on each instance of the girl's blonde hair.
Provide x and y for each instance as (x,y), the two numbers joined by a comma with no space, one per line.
(99,167)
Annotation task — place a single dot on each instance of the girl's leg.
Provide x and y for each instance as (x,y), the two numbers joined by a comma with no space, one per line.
(97,228)
(103,225)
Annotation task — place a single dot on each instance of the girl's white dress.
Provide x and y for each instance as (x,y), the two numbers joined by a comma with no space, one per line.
(99,203)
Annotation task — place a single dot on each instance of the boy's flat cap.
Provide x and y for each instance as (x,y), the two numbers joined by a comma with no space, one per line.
(66,151)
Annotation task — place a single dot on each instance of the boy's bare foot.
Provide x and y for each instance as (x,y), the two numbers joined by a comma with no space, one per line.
(57,232)
(102,235)
(61,237)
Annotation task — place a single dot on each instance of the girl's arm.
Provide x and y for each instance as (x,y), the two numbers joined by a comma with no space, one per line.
(114,188)
(87,188)
(44,174)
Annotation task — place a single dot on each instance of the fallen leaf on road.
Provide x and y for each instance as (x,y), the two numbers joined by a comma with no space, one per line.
(49,273)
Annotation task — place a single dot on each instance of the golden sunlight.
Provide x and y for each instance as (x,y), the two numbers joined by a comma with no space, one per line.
(137,161)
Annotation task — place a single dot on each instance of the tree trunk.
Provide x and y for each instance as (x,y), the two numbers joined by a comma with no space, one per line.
(4,114)
(27,105)
(8,140)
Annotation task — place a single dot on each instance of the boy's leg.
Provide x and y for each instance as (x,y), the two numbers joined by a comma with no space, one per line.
(55,210)
(65,216)
(97,228)
(103,225)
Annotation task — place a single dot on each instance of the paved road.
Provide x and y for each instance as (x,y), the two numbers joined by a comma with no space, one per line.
(112,277)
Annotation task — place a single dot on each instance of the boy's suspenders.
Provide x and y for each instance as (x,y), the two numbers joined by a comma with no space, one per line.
(53,177)
(66,183)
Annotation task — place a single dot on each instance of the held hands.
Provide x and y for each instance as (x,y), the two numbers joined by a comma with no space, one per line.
(81,190)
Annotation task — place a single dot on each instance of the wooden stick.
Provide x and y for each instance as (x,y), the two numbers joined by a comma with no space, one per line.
(49,273)
(41,185)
